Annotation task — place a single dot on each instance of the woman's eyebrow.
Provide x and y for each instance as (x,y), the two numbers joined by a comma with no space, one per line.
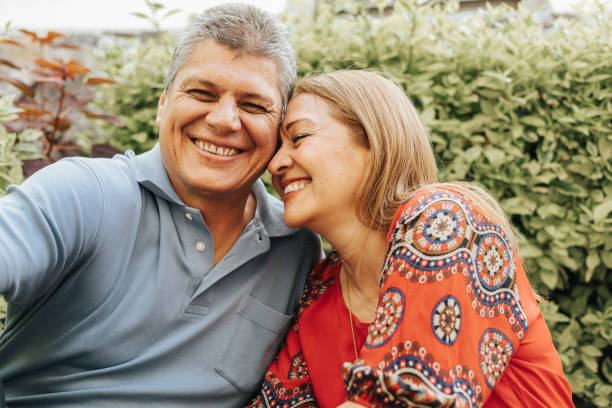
(286,126)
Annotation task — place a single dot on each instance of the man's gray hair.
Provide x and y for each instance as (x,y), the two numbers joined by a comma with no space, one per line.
(246,29)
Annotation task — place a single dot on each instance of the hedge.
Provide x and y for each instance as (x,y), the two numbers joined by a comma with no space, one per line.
(524,112)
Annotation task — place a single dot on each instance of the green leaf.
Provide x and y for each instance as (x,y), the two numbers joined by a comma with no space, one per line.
(518,205)
(549,277)
(591,351)
(171,12)
(601,211)
(495,156)
(30,135)
(592,261)
(473,153)
(589,362)
(140,15)
(606,369)
(530,251)
(572,189)
(550,210)
(606,258)
(534,121)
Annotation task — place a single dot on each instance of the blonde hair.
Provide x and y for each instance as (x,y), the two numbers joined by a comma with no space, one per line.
(379,115)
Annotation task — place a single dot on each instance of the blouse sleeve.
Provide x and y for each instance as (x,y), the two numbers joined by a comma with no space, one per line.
(286,382)
(449,316)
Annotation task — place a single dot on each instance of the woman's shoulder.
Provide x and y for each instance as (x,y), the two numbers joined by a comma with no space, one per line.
(454,207)
(425,196)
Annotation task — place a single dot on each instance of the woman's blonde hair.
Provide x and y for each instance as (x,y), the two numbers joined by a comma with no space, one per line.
(381,116)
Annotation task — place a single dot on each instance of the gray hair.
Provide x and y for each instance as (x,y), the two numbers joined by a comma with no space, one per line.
(244,28)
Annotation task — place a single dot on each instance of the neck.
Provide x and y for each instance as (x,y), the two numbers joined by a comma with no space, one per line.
(362,251)
(225,217)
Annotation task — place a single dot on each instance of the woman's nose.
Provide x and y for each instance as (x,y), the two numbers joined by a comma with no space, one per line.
(280,162)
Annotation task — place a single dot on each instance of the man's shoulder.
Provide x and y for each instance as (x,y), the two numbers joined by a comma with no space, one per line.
(112,175)
(82,181)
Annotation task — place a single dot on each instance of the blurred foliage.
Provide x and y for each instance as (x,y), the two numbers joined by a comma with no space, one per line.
(56,92)
(524,112)
(14,148)
(139,66)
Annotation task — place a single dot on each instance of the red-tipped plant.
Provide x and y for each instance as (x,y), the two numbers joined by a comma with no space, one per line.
(56,96)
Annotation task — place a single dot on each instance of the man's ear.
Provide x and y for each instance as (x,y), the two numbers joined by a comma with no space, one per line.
(160,107)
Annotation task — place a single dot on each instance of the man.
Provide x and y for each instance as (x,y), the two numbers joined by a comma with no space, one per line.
(165,279)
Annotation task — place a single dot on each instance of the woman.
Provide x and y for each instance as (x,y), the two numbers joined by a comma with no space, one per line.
(451,320)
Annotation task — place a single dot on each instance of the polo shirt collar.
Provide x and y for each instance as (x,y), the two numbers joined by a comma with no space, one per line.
(151,174)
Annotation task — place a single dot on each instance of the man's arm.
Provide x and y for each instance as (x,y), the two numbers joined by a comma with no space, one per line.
(46,226)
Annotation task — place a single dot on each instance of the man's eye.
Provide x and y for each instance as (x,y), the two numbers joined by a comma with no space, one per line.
(253,107)
(201,93)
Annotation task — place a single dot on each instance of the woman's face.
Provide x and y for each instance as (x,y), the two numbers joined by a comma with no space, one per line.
(319,166)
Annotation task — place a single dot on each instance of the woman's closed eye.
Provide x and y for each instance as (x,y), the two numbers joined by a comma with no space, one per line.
(299,137)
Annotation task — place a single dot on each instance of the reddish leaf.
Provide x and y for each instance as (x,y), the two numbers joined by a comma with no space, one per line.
(8,63)
(109,118)
(10,41)
(32,110)
(67,147)
(74,67)
(51,35)
(48,64)
(42,72)
(68,46)
(63,124)
(46,78)
(31,34)
(18,84)
(96,80)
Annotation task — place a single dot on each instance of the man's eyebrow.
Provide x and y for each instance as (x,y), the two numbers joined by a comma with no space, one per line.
(203,82)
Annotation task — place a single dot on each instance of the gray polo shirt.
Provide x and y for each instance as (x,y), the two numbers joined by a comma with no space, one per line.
(114,300)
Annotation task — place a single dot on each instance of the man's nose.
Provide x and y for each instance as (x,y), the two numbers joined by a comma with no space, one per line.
(224,115)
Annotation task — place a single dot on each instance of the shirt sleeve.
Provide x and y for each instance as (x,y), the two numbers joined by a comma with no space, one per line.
(449,316)
(47,225)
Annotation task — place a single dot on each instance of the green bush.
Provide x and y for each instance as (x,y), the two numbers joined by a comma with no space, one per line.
(524,112)
(139,66)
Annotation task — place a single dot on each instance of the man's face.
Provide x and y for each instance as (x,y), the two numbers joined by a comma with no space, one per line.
(218,123)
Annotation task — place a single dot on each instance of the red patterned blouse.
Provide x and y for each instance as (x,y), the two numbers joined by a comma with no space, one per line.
(457,324)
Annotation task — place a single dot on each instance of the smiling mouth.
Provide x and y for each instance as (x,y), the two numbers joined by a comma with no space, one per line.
(295,186)
(215,149)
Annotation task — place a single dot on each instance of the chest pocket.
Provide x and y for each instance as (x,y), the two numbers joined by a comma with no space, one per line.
(257,331)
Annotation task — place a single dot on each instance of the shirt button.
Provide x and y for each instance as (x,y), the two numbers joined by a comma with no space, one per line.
(188,216)
(200,246)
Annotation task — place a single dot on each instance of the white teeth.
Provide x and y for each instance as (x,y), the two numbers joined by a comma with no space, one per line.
(295,186)
(209,147)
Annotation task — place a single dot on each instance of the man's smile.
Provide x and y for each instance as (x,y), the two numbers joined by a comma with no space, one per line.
(215,149)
